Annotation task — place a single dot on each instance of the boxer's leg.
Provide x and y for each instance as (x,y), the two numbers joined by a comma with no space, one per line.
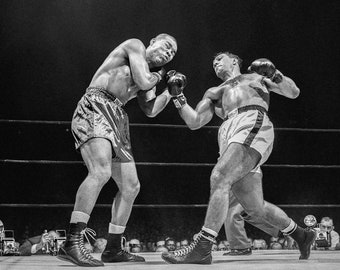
(97,155)
(125,176)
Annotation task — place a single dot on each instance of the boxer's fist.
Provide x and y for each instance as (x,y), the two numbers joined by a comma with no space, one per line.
(176,82)
(266,68)
(160,73)
(262,67)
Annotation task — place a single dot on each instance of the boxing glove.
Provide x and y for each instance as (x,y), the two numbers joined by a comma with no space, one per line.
(176,82)
(160,73)
(266,68)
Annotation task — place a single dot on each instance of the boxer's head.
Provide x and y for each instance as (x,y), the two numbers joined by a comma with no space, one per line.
(225,64)
(161,50)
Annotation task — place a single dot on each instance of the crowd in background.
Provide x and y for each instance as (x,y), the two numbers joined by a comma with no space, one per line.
(148,236)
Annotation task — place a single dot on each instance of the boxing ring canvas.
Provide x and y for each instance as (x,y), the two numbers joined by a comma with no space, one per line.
(259,260)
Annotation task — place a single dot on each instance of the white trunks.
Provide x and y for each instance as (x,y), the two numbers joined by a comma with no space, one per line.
(251,126)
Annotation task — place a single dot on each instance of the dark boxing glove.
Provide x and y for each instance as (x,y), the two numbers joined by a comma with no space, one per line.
(266,68)
(160,73)
(176,82)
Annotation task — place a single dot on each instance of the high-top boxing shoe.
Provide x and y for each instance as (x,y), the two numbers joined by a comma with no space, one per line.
(115,252)
(304,238)
(198,252)
(74,251)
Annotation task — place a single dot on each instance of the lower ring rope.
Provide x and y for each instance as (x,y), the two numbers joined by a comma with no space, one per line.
(70,162)
(46,122)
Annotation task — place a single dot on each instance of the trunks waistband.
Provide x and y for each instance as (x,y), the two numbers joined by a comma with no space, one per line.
(237,111)
(102,91)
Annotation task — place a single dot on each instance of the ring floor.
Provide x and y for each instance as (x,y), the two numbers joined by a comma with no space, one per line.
(259,260)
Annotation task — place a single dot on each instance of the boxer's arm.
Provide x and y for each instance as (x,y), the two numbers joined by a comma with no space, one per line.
(151,104)
(284,86)
(141,74)
(201,115)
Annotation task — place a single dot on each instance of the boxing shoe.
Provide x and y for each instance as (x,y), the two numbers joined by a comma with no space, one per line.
(239,252)
(198,252)
(74,251)
(304,238)
(120,256)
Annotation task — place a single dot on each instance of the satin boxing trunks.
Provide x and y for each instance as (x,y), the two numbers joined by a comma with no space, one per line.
(100,115)
(251,126)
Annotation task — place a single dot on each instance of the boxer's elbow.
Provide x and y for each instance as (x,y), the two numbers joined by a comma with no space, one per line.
(294,93)
(146,82)
(193,125)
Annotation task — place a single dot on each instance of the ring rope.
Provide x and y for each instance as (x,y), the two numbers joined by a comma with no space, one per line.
(70,162)
(160,125)
(66,205)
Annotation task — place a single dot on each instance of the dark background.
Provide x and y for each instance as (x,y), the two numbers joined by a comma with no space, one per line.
(50,50)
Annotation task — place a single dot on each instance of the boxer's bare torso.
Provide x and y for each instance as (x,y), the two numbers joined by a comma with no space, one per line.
(243,90)
(115,76)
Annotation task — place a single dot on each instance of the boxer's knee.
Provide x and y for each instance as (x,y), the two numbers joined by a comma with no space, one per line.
(130,190)
(254,213)
(219,180)
(101,174)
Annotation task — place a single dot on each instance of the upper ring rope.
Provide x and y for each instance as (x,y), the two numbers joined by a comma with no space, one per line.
(160,125)
(184,164)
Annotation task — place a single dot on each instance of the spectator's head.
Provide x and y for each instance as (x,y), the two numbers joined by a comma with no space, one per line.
(160,246)
(2,227)
(274,239)
(227,244)
(259,244)
(135,246)
(326,224)
(221,246)
(53,235)
(150,246)
(276,245)
(170,244)
(99,245)
(184,243)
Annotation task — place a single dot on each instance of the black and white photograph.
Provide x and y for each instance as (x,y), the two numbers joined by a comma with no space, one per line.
(169,134)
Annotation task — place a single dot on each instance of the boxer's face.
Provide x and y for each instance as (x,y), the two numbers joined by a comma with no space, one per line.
(161,51)
(223,65)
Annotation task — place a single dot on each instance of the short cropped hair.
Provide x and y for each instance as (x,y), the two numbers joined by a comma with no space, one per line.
(326,219)
(163,35)
(231,55)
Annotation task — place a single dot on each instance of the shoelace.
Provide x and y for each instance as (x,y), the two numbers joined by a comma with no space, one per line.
(184,251)
(91,233)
